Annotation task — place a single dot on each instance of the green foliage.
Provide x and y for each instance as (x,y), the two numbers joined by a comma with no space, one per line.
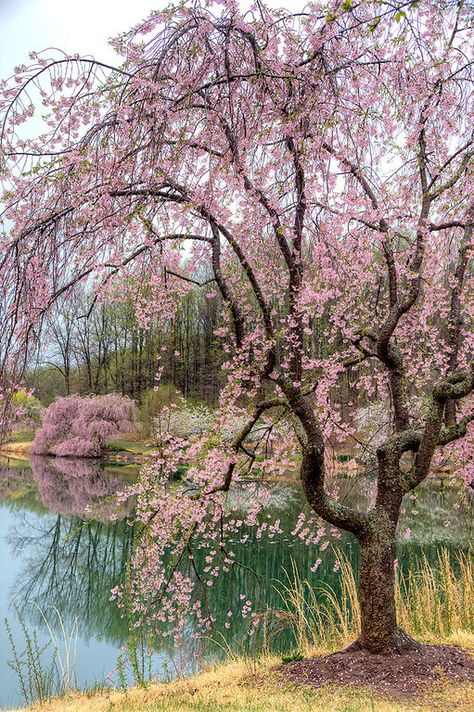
(48,384)
(374,23)
(154,400)
(109,351)
(400,15)
(297,655)
(29,406)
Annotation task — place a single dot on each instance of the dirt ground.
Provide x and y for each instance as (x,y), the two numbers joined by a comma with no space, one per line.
(398,675)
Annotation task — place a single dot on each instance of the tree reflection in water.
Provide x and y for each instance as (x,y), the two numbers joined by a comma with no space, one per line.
(78,487)
(72,562)
(74,555)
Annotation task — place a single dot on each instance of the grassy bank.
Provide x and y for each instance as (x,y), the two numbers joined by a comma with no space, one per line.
(19,446)
(16,451)
(258,687)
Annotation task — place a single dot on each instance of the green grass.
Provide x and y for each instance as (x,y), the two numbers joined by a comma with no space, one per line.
(138,448)
(114,445)
(24,437)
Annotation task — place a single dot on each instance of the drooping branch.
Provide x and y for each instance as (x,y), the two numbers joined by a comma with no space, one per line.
(237,315)
(267,320)
(457,175)
(239,439)
(262,199)
(182,196)
(384,349)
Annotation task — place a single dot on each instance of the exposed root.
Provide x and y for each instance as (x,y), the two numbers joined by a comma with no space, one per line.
(353,647)
(399,643)
(403,642)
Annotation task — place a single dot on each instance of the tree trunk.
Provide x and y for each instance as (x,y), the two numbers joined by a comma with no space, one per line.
(67,379)
(379,630)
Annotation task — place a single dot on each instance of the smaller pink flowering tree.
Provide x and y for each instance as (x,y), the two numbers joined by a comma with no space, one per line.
(80,427)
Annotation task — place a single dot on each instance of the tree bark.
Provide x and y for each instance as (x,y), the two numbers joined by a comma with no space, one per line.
(377,592)
(379,630)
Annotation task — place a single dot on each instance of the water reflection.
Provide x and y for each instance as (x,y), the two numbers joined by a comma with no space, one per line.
(65,551)
(77,487)
(68,486)
(70,562)
(71,565)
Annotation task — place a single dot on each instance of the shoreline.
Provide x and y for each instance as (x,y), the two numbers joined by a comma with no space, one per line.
(249,685)
(17,451)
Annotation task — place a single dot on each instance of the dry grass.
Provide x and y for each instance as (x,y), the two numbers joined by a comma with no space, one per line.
(433,604)
(239,687)
(318,619)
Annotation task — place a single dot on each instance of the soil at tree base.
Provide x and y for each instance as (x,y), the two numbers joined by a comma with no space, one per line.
(399,675)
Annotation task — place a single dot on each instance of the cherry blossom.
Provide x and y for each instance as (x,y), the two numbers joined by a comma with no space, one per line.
(316,167)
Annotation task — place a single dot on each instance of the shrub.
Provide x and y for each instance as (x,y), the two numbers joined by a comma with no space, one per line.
(79,427)
(152,402)
(27,409)
(184,421)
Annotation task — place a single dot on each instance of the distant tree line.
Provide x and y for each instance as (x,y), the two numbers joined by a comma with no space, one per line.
(101,348)
(92,347)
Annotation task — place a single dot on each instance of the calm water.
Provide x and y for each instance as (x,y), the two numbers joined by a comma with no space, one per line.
(61,552)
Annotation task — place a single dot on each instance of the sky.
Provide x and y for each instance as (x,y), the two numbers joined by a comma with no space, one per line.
(81,26)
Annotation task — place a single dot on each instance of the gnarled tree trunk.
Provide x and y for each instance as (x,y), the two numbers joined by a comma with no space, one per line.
(379,630)
(377,592)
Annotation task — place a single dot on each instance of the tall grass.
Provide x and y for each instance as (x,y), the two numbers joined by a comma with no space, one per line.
(64,649)
(437,601)
(48,669)
(433,602)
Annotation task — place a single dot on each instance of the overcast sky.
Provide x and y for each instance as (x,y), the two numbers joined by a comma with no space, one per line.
(81,26)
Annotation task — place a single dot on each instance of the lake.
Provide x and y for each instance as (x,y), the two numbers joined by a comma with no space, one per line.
(61,554)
